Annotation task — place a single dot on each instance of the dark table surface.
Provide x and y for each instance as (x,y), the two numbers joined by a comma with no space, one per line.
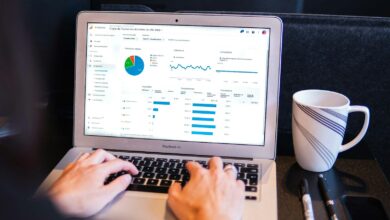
(348,177)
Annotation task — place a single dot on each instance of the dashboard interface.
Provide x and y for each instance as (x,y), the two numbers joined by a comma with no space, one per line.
(175,82)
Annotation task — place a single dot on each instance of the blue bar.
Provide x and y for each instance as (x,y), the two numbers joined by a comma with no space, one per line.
(202,126)
(161,103)
(203,112)
(202,132)
(204,105)
(202,119)
(155,109)
(234,71)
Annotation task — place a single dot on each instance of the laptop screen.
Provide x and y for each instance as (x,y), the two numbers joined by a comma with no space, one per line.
(175,82)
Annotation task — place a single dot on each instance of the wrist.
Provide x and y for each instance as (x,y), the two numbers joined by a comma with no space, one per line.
(209,213)
(64,203)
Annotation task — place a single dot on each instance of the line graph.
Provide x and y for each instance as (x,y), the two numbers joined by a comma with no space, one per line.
(185,67)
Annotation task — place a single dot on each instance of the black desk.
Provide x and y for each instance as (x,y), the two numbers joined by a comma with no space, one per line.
(348,177)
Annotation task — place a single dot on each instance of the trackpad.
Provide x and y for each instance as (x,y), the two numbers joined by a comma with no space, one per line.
(134,205)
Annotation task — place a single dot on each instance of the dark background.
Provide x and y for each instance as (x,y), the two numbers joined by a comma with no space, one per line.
(50,25)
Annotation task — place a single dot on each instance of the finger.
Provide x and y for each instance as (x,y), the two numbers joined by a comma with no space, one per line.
(83,156)
(215,163)
(114,166)
(175,189)
(99,156)
(193,167)
(174,201)
(230,171)
(240,185)
(116,186)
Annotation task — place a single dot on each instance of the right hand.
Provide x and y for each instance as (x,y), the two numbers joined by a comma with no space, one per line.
(210,194)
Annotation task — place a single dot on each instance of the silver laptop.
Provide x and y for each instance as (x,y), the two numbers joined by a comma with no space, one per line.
(159,89)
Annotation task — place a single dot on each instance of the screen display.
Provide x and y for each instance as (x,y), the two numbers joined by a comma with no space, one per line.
(174,82)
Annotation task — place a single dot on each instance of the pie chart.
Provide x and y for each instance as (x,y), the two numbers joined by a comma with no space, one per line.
(134,65)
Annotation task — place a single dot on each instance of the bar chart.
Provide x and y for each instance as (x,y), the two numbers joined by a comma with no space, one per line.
(203,118)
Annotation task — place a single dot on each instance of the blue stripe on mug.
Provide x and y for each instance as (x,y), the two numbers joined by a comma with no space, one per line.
(339,129)
(336,114)
(320,118)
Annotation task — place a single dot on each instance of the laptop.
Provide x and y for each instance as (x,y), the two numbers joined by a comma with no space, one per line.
(160,89)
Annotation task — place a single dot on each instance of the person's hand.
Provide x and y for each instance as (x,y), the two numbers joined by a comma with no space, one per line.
(210,194)
(80,190)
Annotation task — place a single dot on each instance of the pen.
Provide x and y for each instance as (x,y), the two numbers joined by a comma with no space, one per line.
(306,200)
(329,203)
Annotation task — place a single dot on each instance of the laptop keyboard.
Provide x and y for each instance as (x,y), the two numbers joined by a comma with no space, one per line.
(158,173)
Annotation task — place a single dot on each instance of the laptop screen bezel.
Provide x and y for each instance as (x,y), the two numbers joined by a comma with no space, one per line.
(266,151)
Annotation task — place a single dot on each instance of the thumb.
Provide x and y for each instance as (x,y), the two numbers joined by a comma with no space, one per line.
(176,203)
(117,186)
(174,194)
(175,189)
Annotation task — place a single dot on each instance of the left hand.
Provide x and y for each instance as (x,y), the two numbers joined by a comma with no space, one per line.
(80,190)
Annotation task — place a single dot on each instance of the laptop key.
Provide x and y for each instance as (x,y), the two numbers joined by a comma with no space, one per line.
(148,188)
(252,176)
(253,182)
(156,164)
(180,166)
(144,163)
(239,164)
(165,182)
(249,170)
(135,162)
(240,175)
(136,158)
(152,182)
(249,165)
(124,157)
(161,176)
(149,158)
(148,169)
(169,165)
(162,160)
(173,171)
(161,170)
(138,181)
(250,197)
(148,175)
(250,188)
(174,160)
(174,177)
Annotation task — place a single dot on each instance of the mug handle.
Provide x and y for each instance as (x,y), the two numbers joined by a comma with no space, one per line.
(359,137)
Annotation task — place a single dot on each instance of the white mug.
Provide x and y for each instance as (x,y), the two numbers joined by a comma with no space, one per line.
(319,119)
